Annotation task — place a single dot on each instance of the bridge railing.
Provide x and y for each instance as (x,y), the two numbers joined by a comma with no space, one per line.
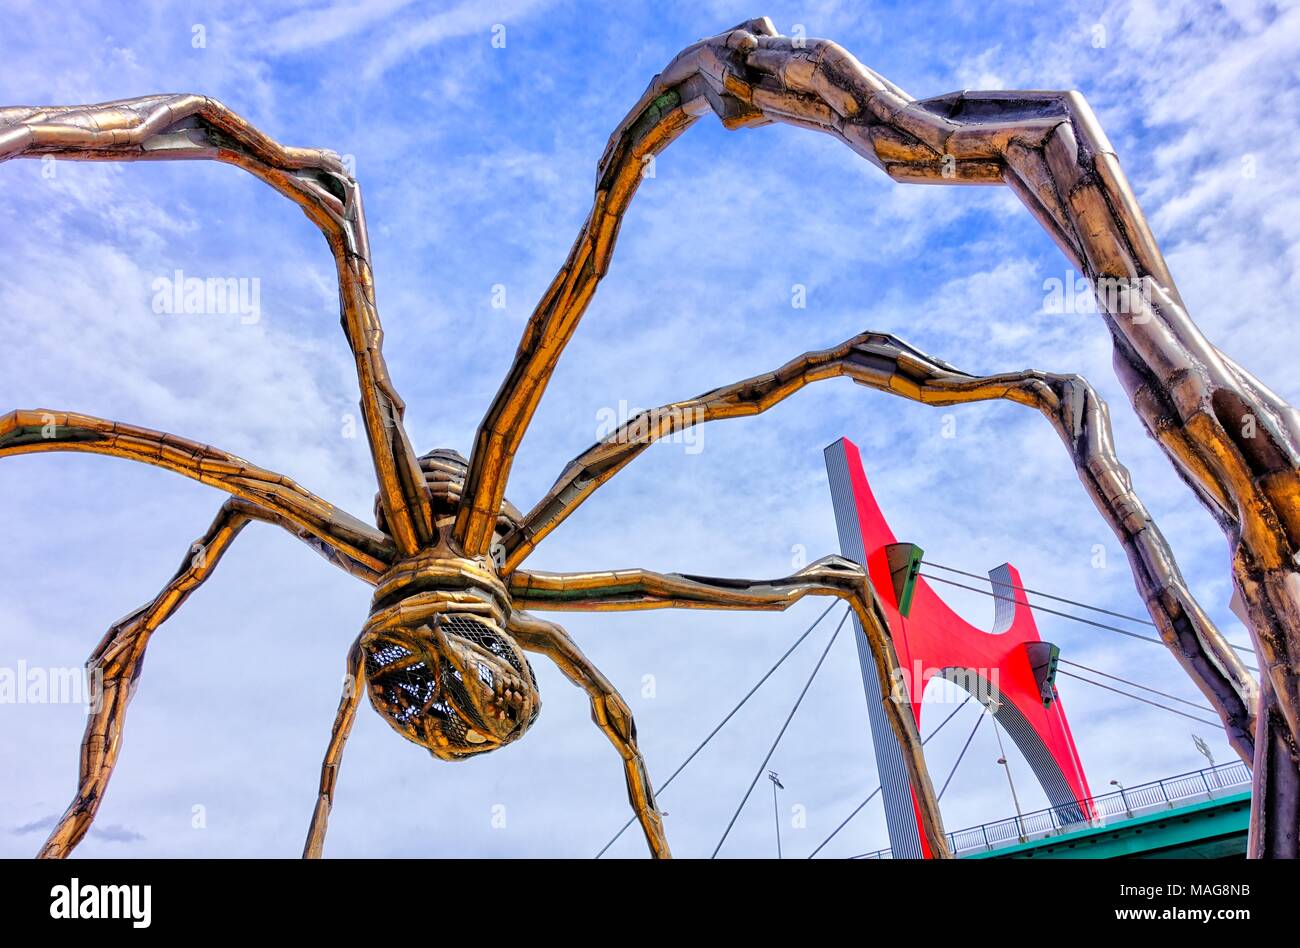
(1123,804)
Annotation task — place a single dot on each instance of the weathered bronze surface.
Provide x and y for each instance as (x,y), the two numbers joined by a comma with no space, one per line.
(441,655)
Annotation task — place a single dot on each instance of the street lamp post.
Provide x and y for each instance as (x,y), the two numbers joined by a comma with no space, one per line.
(1002,759)
(776,810)
(1205,751)
(1128,812)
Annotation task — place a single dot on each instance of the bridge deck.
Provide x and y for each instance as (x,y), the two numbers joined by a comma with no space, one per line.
(1211,829)
(1201,814)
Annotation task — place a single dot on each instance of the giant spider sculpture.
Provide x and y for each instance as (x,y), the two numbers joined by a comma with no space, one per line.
(442,654)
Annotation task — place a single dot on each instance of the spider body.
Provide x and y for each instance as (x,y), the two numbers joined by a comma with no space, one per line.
(440,665)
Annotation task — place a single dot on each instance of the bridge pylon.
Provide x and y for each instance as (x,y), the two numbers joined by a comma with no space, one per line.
(1009,669)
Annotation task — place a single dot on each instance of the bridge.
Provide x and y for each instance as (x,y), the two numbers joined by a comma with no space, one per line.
(1204,814)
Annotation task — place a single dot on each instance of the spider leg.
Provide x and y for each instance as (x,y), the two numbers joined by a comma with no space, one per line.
(622,590)
(170,127)
(670,104)
(887,364)
(608,710)
(1050,150)
(353,686)
(1046,146)
(116,663)
(357,544)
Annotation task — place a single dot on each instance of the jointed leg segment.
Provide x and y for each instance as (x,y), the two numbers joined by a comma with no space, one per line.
(887,364)
(361,548)
(171,127)
(620,590)
(608,710)
(353,686)
(116,663)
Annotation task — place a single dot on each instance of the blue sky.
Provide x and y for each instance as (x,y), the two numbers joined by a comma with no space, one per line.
(477,164)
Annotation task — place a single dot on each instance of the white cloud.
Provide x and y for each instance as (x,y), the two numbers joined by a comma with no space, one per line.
(461,20)
(324,24)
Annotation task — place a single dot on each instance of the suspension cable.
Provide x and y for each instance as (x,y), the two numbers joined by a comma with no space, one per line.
(873,793)
(1066,615)
(730,714)
(1037,592)
(1134,684)
(1182,714)
(1073,602)
(780,734)
(965,747)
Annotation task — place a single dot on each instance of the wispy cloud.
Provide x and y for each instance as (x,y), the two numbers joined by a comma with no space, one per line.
(461,20)
(110,832)
(321,25)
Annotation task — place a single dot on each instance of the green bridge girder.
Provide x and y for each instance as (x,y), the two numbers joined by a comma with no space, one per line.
(1210,829)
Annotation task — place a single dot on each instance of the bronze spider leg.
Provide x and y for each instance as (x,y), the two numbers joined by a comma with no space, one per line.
(350,544)
(353,687)
(620,590)
(1230,439)
(752,76)
(653,124)
(703,77)
(358,543)
(118,661)
(887,364)
(608,710)
(166,127)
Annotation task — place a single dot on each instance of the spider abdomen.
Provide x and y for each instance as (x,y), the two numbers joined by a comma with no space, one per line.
(440,666)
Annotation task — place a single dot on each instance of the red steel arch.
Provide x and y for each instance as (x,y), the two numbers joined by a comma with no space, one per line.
(1003,668)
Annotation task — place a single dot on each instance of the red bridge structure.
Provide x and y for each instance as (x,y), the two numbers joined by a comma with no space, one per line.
(1009,669)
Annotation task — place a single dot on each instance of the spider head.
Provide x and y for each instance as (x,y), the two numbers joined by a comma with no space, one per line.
(456,684)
